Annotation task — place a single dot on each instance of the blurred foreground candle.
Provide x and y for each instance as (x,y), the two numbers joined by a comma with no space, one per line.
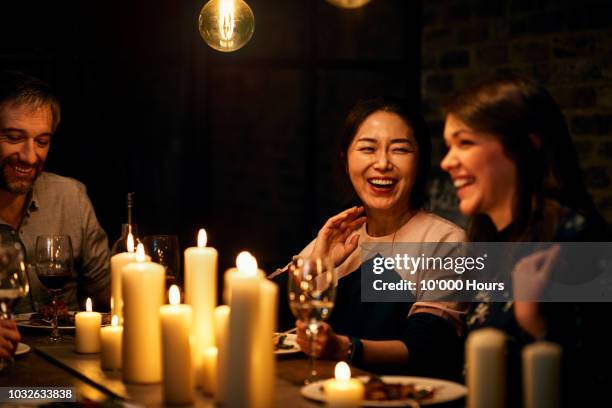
(178,385)
(344,391)
(88,330)
(247,368)
(542,375)
(110,337)
(201,294)
(143,286)
(222,314)
(486,368)
(209,370)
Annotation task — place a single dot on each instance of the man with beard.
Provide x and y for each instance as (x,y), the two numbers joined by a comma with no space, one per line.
(34,202)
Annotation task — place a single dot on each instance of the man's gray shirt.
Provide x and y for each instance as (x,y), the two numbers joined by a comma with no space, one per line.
(60,205)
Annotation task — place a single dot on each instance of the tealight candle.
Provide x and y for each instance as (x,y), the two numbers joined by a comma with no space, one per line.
(343,391)
(110,337)
(88,330)
(178,384)
(201,294)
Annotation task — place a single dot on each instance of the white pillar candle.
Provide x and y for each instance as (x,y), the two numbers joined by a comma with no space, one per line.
(117,262)
(88,330)
(264,361)
(178,384)
(486,368)
(343,391)
(110,337)
(209,370)
(201,294)
(143,286)
(222,314)
(244,305)
(542,375)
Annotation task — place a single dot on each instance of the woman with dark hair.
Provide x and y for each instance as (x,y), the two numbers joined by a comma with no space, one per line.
(517,176)
(386,152)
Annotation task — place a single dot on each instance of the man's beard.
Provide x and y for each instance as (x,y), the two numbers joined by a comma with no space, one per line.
(13,183)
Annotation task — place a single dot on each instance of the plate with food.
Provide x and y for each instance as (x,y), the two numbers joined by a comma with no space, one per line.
(43,318)
(285,343)
(397,391)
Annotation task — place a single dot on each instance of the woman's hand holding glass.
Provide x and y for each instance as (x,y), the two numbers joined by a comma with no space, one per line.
(9,338)
(332,238)
(327,344)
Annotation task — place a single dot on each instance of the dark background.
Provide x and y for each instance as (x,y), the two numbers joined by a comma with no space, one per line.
(244,144)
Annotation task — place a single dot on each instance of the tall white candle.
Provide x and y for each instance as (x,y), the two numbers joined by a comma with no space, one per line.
(486,368)
(201,294)
(244,305)
(117,262)
(264,361)
(178,384)
(209,370)
(222,314)
(343,391)
(110,337)
(143,287)
(88,330)
(542,375)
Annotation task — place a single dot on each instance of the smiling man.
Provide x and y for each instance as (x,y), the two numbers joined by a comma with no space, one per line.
(34,202)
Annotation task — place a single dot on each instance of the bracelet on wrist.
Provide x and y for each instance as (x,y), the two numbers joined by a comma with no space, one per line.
(355,351)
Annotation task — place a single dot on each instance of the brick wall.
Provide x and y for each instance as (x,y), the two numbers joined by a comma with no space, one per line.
(566,45)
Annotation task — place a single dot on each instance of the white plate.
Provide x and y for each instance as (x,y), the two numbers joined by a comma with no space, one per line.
(444,391)
(22,348)
(290,340)
(23,320)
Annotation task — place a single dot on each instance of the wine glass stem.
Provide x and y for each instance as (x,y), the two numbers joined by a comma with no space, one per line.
(55,334)
(312,334)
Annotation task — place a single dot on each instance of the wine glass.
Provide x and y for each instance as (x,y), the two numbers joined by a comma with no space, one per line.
(312,291)
(54,261)
(13,285)
(164,250)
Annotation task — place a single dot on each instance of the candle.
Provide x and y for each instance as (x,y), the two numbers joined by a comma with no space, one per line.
(209,370)
(143,287)
(343,391)
(542,375)
(88,330)
(486,368)
(110,337)
(201,294)
(117,263)
(222,314)
(178,384)
(264,361)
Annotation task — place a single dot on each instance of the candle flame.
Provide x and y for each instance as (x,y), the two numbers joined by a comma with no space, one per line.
(342,372)
(246,263)
(140,253)
(130,242)
(174,295)
(88,306)
(211,351)
(202,238)
(115,321)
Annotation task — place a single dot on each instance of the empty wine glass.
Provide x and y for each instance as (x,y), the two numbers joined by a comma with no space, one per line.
(164,250)
(312,291)
(13,285)
(54,262)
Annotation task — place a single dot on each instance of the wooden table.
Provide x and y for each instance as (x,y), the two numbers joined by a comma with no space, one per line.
(60,366)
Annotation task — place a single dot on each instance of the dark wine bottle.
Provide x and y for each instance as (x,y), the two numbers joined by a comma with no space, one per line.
(121,244)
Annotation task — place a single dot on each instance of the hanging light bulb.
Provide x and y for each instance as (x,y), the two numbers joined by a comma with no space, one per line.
(226,25)
(348,3)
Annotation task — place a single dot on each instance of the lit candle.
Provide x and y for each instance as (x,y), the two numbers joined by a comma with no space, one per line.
(486,368)
(209,370)
(143,287)
(343,391)
(264,361)
(117,263)
(88,330)
(542,375)
(178,385)
(201,294)
(222,314)
(110,337)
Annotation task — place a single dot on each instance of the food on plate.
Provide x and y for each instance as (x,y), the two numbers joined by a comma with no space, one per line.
(378,390)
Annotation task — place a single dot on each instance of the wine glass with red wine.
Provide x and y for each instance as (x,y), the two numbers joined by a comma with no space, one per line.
(54,261)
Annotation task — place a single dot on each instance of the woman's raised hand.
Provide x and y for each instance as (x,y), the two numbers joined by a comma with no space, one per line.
(332,238)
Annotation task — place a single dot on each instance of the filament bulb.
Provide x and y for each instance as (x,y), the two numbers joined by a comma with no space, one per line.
(226,25)
(348,4)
